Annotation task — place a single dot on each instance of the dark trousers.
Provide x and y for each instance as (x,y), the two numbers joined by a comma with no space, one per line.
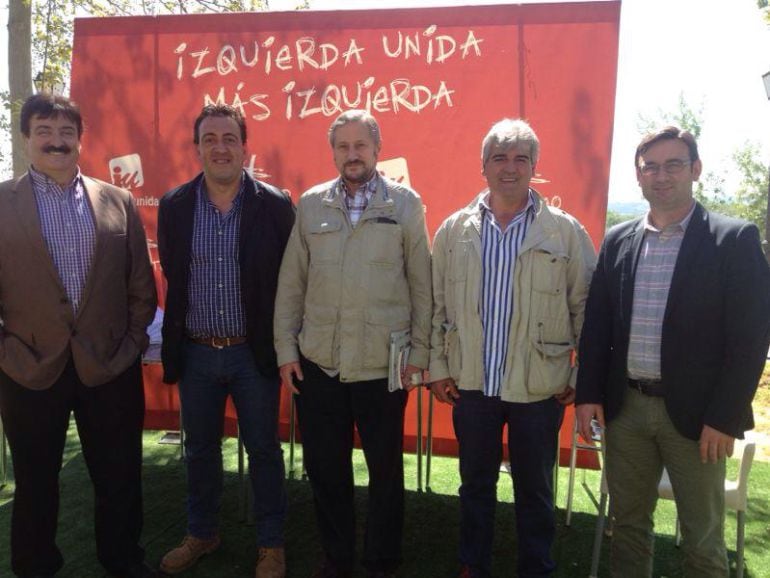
(533,430)
(328,409)
(109,420)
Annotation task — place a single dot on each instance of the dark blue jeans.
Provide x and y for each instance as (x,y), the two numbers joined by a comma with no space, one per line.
(210,375)
(533,430)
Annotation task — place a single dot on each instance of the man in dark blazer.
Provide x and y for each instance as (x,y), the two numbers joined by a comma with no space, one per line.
(221,238)
(675,337)
(76,296)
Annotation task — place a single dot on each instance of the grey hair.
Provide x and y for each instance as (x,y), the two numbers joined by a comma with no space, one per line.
(509,133)
(361,116)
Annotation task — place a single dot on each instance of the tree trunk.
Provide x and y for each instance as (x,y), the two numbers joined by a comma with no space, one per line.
(19,73)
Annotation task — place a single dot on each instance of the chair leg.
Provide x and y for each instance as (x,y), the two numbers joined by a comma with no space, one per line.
(556,475)
(598,536)
(678,532)
(242,480)
(429,443)
(739,546)
(292,436)
(3,458)
(571,482)
(418,438)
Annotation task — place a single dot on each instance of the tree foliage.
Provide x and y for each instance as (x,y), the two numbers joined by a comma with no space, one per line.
(53,23)
(615,218)
(765,8)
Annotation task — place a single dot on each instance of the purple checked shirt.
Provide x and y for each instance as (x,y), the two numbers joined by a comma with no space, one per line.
(67,225)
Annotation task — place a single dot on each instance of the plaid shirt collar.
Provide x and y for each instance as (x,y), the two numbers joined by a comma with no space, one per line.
(43,184)
(203,196)
(673,227)
(369,188)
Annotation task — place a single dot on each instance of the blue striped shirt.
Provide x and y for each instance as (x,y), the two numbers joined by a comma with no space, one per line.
(67,225)
(499,250)
(214,304)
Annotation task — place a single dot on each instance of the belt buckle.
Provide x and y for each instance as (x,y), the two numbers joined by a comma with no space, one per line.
(219,342)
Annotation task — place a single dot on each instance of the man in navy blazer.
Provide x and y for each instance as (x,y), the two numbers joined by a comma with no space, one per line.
(676,332)
(221,237)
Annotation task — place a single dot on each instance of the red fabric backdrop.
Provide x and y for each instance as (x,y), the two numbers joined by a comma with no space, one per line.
(436,79)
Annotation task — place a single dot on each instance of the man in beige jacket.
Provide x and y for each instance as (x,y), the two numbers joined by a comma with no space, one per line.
(355,271)
(76,296)
(510,278)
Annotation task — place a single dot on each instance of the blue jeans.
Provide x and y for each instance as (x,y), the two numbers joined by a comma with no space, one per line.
(533,430)
(209,376)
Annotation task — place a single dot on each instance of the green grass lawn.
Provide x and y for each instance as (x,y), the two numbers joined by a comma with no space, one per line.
(431,531)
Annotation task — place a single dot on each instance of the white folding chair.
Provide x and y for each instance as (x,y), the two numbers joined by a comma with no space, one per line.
(575,446)
(602,504)
(736,498)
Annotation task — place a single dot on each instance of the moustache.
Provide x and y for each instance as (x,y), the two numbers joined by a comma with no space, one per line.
(353,163)
(54,149)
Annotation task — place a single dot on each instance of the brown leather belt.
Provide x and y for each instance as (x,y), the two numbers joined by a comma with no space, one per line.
(219,342)
(651,387)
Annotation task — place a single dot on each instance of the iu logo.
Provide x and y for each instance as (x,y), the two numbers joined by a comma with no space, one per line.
(126,171)
(395,169)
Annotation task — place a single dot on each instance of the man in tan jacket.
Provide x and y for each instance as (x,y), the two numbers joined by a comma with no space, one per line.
(510,279)
(76,296)
(355,271)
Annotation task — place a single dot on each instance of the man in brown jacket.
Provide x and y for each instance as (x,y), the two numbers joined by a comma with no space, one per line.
(76,296)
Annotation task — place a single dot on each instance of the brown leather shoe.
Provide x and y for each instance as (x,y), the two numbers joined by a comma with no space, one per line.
(271,563)
(187,553)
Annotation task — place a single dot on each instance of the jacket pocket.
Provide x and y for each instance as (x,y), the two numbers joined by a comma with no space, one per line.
(385,243)
(316,342)
(550,365)
(324,241)
(549,272)
(379,323)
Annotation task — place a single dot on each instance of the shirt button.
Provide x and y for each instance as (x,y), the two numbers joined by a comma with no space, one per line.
(219,259)
(219,232)
(220,285)
(221,312)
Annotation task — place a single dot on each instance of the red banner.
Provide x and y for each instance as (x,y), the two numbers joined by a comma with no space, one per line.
(436,79)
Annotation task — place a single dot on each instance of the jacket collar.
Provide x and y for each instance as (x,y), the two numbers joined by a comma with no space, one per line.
(380,205)
(542,233)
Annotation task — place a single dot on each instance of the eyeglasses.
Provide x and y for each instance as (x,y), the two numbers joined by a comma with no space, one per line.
(672,167)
